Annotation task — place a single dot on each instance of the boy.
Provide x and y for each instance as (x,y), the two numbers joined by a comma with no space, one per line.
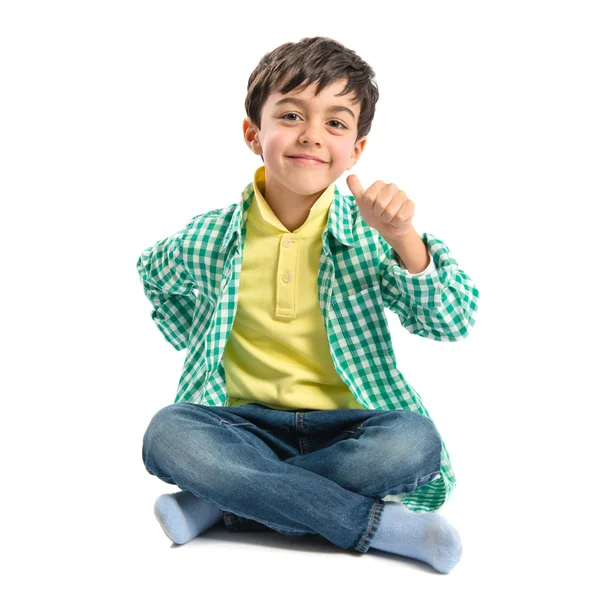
(290,413)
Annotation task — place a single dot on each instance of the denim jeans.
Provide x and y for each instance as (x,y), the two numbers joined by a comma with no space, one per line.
(304,472)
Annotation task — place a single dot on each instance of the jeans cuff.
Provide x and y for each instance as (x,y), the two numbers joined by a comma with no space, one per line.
(364,542)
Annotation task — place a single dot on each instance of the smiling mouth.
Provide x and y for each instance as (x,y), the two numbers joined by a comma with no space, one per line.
(306,161)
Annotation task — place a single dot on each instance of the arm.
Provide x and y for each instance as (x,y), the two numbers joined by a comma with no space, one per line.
(440,303)
(170,289)
(411,251)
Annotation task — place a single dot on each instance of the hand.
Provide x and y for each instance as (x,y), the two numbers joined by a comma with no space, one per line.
(384,207)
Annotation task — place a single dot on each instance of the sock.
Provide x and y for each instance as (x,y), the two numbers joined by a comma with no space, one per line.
(427,537)
(184,516)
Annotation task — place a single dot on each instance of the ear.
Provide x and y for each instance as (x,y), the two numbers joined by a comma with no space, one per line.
(251,132)
(359,146)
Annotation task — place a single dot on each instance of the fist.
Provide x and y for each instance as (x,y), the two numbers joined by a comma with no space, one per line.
(384,207)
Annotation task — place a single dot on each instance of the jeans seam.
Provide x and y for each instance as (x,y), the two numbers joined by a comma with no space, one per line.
(227,423)
(221,422)
(370,525)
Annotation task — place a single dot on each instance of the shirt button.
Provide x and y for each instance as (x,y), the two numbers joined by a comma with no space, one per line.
(439,286)
(287,243)
(287,277)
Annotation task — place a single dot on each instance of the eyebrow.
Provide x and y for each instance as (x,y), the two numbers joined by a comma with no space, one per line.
(300,102)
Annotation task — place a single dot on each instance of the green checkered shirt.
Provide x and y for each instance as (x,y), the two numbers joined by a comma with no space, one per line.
(192,277)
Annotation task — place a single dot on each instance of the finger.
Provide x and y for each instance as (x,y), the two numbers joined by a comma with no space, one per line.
(371,196)
(404,215)
(355,187)
(394,213)
(386,202)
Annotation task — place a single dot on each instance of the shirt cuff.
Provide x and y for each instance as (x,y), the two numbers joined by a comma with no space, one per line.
(424,288)
(430,267)
(440,304)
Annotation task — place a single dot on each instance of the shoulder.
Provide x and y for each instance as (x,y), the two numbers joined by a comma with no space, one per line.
(208,225)
(212,218)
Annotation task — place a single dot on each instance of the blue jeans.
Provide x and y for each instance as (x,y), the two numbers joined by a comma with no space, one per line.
(305,472)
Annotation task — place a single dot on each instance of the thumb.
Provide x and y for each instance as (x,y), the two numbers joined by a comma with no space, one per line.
(355,187)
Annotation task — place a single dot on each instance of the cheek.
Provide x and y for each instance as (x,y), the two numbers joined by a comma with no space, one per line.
(274,145)
(342,153)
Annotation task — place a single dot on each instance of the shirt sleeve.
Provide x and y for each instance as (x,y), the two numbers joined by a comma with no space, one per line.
(170,288)
(440,303)
(428,269)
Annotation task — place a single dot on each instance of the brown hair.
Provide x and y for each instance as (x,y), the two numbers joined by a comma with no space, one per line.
(316,59)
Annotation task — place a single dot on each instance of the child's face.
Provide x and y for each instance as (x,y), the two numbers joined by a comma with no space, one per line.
(312,127)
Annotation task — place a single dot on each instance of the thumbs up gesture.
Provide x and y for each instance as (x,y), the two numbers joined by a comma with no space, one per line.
(384,207)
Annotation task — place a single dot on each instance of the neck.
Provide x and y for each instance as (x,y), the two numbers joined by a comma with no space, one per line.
(290,208)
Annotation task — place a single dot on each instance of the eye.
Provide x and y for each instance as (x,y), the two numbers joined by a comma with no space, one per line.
(332,121)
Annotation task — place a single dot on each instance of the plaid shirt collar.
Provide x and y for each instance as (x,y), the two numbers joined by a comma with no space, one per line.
(341,222)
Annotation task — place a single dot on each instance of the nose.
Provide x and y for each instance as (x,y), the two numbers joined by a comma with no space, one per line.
(311,134)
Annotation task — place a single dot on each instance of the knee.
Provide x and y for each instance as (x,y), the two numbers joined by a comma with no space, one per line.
(162,421)
(416,437)
(161,429)
(426,427)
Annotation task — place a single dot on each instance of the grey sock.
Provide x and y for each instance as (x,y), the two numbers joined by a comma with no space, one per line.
(427,537)
(184,516)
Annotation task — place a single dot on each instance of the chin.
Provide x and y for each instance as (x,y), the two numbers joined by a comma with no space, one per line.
(309,188)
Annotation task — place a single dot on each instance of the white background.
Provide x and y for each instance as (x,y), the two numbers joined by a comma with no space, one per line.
(120,121)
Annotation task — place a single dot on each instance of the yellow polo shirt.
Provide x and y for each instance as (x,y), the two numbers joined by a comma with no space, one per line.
(277,353)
